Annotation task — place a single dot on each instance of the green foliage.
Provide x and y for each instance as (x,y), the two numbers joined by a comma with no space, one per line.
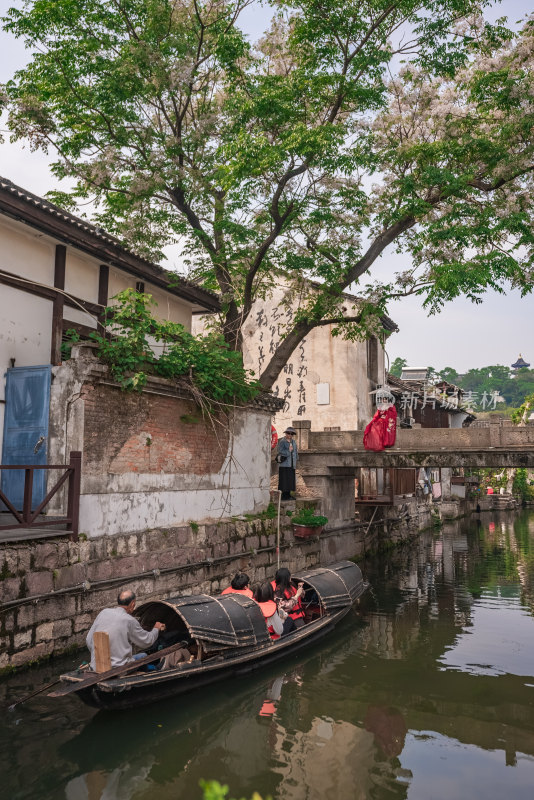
(521,414)
(72,337)
(269,513)
(496,478)
(514,387)
(448,374)
(213,790)
(311,152)
(397,366)
(307,516)
(522,486)
(140,345)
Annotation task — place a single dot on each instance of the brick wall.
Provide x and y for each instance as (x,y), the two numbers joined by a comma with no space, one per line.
(150,459)
(133,432)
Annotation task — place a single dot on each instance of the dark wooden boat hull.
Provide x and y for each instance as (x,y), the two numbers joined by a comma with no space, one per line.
(152,687)
(232,634)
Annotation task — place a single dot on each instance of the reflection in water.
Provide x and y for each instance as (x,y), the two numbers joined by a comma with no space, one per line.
(425,691)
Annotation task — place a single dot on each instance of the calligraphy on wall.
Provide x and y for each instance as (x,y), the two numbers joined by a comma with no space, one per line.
(271,326)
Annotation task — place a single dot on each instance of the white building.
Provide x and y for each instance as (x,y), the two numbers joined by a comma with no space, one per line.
(146,461)
(58,272)
(328,379)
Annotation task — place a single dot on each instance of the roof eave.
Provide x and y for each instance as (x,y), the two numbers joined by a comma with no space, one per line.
(43,216)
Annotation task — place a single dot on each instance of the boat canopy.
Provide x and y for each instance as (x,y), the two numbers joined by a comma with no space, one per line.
(337,586)
(233,620)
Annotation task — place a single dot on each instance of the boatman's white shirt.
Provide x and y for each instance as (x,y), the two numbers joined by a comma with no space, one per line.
(123,631)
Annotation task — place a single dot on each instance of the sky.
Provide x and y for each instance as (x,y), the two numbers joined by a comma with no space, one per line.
(462,336)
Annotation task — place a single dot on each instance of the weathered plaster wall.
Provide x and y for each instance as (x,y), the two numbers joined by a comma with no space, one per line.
(26,253)
(325,380)
(150,459)
(81,276)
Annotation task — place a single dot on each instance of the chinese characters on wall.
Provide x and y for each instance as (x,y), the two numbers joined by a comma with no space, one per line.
(290,384)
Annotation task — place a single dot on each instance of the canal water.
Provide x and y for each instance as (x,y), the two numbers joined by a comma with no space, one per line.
(426,692)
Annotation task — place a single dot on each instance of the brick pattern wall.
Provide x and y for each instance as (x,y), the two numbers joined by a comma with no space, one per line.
(148,433)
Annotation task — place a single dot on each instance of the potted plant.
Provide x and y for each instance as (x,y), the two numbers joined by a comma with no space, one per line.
(307,523)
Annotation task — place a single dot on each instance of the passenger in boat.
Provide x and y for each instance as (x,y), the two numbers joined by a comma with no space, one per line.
(290,598)
(278,622)
(123,630)
(239,585)
(181,656)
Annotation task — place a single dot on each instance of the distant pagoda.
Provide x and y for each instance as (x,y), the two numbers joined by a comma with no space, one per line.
(520,363)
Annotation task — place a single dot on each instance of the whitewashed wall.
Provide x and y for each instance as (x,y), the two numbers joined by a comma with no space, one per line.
(241,486)
(324,381)
(26,320)
(25,331)
(118,500)
(25,253)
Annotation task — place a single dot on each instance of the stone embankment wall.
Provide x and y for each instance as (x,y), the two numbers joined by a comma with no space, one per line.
(51,591)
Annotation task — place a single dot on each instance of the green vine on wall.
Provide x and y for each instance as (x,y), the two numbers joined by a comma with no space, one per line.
(138,345)
(522,486)
(520,415)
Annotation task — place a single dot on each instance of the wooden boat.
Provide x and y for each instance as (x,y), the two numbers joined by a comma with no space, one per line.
(230,634)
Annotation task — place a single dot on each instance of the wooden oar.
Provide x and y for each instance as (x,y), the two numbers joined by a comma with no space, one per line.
(75,686)
(38,691)
(32,694)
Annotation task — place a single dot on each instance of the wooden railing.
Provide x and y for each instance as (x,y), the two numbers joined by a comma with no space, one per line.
(29,516)
(392,482)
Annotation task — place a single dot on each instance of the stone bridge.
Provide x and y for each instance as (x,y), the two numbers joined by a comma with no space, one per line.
(328,459)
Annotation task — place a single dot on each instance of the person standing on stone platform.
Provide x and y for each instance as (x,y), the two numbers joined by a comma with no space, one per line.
(287,463)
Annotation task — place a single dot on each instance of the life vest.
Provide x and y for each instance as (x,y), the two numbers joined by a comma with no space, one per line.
(246,592)
(268,609)
(268,708)
(298,611)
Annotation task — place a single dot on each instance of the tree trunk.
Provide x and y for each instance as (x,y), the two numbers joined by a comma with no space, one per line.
(283,353)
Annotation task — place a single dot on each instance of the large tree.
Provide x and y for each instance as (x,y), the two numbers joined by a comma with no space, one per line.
(350,127)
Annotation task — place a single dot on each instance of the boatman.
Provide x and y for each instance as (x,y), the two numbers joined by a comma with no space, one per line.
(123,630)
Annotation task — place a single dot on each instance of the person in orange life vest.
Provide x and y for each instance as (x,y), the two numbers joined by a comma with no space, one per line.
(278,622)
(289,596)
(239,585)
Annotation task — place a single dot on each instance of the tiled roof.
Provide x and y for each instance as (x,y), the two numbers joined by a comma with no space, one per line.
(36,211)
(399,387)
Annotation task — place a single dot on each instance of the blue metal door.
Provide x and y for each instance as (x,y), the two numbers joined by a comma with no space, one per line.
(26,430)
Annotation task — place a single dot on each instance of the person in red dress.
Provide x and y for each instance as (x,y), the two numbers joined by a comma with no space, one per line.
(381,432)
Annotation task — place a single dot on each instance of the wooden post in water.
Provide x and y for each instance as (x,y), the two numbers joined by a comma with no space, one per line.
(102,653)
